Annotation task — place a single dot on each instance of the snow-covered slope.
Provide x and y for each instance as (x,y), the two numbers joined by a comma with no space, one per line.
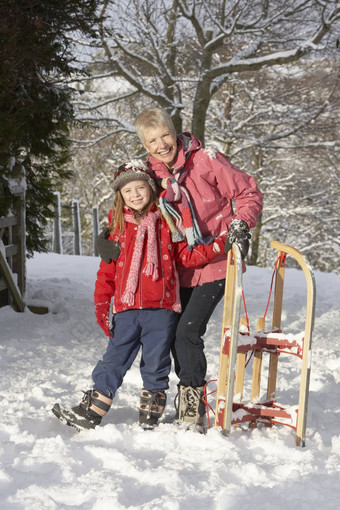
(49,358)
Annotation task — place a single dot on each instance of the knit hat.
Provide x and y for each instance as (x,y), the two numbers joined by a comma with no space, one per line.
(133,171)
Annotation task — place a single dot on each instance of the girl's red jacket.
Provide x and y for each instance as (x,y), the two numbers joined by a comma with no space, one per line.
(162,293)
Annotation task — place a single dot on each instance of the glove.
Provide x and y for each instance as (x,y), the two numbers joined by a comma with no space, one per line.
(219,243)
(102,315)
(108,250)
(239,234)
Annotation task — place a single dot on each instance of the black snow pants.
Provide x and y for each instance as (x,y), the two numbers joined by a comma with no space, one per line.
(198,304)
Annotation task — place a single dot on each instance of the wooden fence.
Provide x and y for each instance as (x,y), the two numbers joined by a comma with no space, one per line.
(13,246)
(57,232)
(13,243)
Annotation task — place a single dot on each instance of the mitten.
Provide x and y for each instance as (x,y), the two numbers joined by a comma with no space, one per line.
(108,250)
(239,234)
(102,315)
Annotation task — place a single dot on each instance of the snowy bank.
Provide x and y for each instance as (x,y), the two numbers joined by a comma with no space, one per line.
(49,358)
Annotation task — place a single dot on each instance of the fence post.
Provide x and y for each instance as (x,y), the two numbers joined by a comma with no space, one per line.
(19,229)
(76,227)
(57,237)
(95,215)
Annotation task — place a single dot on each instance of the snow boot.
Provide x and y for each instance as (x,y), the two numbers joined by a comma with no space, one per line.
(191,408)
(151,407)
(88,414)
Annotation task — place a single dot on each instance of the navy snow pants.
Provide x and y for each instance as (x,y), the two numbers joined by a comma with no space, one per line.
(152,330)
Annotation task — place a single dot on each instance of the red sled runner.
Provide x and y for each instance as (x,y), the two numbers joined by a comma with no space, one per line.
(237,342)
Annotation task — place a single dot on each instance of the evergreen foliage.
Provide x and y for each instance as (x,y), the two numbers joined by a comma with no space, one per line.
(36,59)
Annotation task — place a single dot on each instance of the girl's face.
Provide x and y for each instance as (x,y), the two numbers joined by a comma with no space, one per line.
(161,143)
(136,194)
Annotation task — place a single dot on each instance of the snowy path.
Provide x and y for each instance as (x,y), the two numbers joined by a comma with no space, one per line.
(49,358)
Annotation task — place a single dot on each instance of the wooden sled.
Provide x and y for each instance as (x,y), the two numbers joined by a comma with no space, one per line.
(237,342)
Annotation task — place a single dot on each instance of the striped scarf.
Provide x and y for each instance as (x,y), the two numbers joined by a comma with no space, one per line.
(146,225)
(182,223)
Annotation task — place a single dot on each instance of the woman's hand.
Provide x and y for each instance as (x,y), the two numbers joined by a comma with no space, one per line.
(239,234)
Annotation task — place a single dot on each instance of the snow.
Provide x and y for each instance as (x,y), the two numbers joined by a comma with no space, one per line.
(49,358)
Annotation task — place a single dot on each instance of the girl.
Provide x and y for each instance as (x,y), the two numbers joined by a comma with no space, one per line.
(144,285)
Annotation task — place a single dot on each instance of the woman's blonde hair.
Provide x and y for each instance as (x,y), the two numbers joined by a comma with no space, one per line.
(118,220)
(152,118)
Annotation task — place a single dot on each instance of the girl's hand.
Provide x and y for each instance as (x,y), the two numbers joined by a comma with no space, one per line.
(102,315)
(108,250)
(219,243)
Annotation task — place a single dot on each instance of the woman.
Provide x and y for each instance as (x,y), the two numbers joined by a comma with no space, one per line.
(200,187)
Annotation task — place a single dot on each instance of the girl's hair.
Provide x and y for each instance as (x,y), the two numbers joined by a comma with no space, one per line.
(118,221)
(152,118)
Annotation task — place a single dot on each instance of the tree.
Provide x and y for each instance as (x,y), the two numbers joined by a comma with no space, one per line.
(36,55)
(281,126)
(252,77)
(178,54)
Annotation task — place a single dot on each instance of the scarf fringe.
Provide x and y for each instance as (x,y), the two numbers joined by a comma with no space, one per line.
(151,270)
(128,298)
(177,232)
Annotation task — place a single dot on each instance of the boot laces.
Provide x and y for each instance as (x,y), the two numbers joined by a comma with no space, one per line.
(87,399)
(154,400)
(193,399)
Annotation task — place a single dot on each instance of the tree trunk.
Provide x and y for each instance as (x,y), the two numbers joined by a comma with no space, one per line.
(200,107)
(177,120)
(252,260)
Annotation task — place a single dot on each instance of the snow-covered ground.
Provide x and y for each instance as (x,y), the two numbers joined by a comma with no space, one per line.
(49,358)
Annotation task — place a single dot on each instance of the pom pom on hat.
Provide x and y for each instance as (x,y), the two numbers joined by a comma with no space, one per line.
(133,171)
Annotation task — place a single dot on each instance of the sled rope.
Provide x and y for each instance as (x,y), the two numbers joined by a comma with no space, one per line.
(245,309)
(205,400)
(280,257)
(248,327)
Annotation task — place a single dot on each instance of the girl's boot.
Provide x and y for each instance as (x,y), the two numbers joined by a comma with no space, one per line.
(88,414)
(151,407)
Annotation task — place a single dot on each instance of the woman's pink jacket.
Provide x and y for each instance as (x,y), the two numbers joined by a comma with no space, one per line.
(219,192)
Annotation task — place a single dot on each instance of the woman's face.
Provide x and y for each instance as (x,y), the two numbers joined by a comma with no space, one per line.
(136,194)
(161,143)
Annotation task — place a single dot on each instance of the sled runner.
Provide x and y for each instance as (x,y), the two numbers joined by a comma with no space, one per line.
(237,342)
(229,340)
